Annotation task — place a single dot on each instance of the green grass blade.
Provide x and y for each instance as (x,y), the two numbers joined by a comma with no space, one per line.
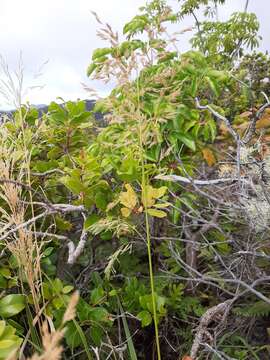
(131,349)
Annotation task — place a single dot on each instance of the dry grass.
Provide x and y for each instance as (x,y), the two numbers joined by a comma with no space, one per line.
(52,349)
(21,243)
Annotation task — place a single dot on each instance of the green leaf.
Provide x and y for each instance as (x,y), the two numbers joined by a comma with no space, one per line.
(5,272)
(72,335)
(67,289)
(8,346)
(48,251)
(97,295)
(90,220)
(96,334)
(101,52)
(91,68)
(213,85)
(145,317)
(137,24)
(58,303)
(98,314)
(11,305)
(187,140)
(57,286)
(80,118)
(101,201)
(2,327)
(106,235)
(62,224)
(73,183)
(57,115)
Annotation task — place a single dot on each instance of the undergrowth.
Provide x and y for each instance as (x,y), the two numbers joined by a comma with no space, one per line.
(151,226)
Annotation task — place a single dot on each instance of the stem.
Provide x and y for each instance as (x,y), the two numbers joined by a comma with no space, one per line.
(216,11)
(199,30)
(148,235)
(246,6)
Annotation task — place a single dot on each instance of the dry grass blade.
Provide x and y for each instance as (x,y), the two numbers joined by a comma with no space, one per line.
(70,312)
(52,349)
(51,344)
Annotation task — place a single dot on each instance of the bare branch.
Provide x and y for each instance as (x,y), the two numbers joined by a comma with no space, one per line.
(74,253)
(48,172)
(252,127)
(220,117)
(214,313)
(176,178)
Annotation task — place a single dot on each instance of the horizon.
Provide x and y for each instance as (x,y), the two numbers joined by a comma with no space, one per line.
(57,68)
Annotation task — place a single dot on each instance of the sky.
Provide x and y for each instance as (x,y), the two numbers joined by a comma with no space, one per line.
(57,37)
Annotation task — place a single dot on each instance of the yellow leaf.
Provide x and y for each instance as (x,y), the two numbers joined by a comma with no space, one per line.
(209,156)
(162,205)
(149,194)
(148,199)
(128,198)
(125,212)
(156,213)
(158,193)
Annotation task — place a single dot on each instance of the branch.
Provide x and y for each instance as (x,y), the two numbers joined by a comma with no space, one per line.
(74,253)
(220,117)
(22,225)
(176,178)
(252,126)
(48,172)
(211,314)
(47,234)
(246,6)
(64,208)
(51,209)
(17,183)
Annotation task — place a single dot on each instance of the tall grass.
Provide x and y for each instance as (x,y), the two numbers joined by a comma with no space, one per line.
(144,183)
(17,232)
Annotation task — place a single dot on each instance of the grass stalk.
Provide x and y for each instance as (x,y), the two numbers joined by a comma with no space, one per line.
(144,183)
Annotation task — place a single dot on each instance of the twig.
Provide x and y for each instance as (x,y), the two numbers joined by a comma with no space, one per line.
(17,183)
(176,178)
(26,223)
(74,253)
(246,6)
(47,234)
(51,209)
(220,117)
(210,315)
(252,126)
(48,172)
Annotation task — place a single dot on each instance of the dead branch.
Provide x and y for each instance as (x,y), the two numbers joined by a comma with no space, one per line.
(252,127)
(212,314)
(193,246)
(220,117)
(74,253)
(48,172)
(176,178)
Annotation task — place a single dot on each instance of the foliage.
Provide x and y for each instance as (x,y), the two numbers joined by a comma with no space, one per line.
(8,340)
(148,255)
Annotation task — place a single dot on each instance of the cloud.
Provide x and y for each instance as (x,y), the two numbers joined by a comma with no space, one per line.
(64,32)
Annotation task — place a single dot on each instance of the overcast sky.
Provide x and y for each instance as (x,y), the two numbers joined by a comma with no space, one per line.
(63,32)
